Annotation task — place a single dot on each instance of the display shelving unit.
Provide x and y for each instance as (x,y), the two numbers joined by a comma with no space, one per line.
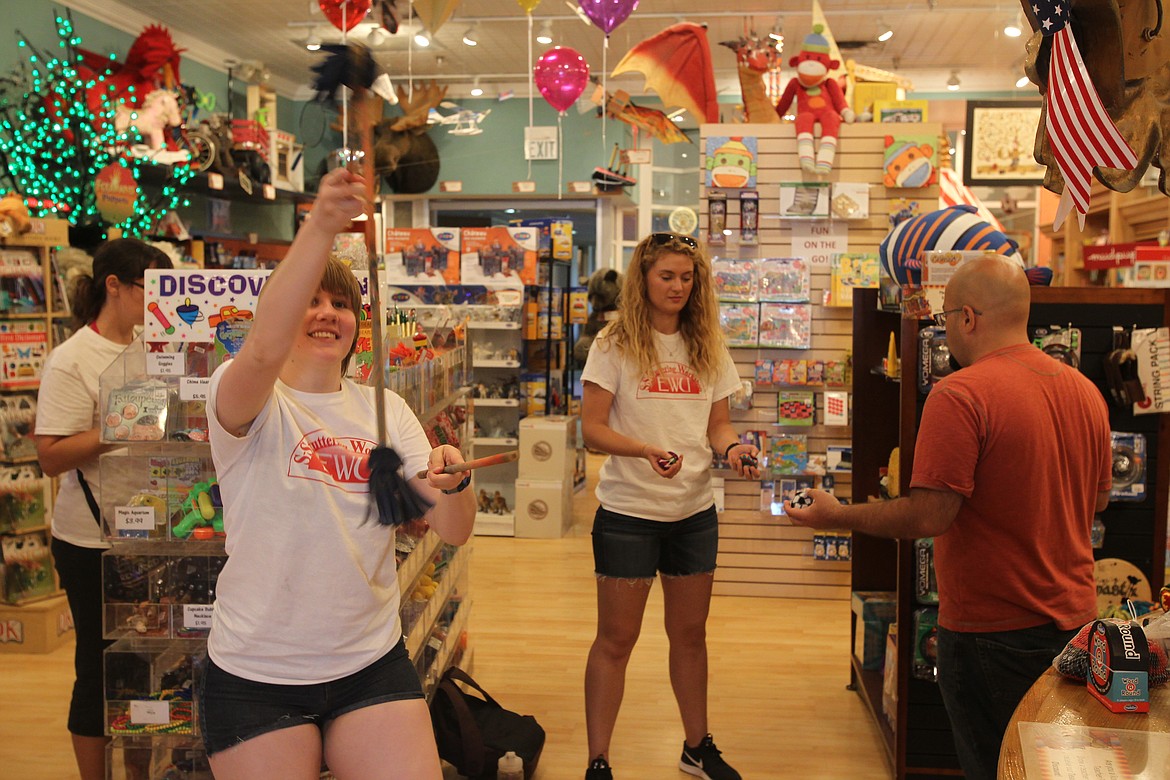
(28,332)
(160,630)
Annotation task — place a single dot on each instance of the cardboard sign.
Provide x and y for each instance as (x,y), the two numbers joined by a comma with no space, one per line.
(1152,346)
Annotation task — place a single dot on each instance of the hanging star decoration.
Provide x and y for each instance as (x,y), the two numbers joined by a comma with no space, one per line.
(1081,133)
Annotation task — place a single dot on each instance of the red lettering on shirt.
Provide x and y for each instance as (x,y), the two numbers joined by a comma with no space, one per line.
(338,461)
(670,379)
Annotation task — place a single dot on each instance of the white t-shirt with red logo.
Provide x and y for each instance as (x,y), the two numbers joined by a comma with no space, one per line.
(669,408)
(310,589)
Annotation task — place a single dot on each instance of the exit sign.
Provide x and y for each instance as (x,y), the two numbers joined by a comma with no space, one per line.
(540,143)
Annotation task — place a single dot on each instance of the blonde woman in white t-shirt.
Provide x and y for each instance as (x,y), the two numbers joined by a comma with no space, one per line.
(655,400)
(107,308)
(306,659)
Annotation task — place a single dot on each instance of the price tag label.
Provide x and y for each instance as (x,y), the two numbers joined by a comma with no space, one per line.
(150,713)
(269,192)
(133,519)
(193,389)
(166,363)
(197,616)
(214,181)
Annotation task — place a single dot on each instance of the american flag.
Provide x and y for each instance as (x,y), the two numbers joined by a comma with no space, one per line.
(1080,132)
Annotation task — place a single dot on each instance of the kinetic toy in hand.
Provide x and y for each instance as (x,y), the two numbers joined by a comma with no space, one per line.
(818,100)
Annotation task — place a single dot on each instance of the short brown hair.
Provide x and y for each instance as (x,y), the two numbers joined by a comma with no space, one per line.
(338,279)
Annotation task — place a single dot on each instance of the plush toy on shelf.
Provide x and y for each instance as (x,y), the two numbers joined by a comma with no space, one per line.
(818,100)
(14,218)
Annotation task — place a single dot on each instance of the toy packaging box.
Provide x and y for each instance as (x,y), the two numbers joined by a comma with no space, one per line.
(499,254)
(422,255)
(554,236)
(873,612)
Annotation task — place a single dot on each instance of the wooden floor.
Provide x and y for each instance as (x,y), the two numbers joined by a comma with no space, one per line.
(778,703)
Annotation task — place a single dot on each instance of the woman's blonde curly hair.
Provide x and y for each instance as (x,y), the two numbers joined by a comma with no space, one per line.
(632,331)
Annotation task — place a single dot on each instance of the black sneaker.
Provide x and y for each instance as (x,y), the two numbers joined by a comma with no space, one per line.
(599,770)
(704,761)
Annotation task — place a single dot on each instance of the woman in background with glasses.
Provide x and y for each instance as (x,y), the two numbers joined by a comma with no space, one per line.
(655,399)
(108,309)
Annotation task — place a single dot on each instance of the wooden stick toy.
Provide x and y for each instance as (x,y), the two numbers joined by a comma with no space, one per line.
(478,463)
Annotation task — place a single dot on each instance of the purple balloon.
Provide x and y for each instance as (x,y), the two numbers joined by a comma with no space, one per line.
(561,74)
(608,14)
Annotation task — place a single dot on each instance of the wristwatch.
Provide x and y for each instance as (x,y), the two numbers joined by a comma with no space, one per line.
(460,487)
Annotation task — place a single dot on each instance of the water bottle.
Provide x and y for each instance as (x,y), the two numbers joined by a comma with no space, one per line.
(510,767)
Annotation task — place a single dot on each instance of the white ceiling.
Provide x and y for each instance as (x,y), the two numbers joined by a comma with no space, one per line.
(932,38)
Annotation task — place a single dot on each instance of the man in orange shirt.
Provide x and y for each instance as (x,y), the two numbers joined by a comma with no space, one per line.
(1011,462)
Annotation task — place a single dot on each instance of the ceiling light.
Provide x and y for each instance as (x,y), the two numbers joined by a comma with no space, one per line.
(476,89)
(469,37)
(376,37)
(544,37)
(313,42)
(421,39)
(953,81)
(884,31)
(1015,27)
(1022,81)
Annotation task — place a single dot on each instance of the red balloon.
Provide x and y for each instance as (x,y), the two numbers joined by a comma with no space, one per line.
(349,13)
(561,74)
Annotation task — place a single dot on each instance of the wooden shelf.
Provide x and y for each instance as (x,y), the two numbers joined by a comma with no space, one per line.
(868,683)
(1123,217)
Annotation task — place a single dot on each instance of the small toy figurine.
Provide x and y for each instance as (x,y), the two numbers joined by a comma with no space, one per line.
(818,100)
(202,507)
(485,502)
(499,505)
(666,463)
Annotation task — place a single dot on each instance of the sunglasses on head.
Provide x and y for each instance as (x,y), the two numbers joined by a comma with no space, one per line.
(661,239)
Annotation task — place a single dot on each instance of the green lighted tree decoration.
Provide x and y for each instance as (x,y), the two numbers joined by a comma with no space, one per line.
(57,132)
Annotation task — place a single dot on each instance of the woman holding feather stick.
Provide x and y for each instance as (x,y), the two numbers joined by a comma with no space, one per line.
(306,659)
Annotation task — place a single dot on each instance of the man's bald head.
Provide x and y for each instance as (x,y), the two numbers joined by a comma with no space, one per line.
(988,300)
(994,285)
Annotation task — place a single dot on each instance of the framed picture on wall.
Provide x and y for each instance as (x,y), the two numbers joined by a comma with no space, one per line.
(997,150)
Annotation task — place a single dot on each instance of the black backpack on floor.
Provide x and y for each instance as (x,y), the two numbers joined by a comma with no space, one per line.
(473,733)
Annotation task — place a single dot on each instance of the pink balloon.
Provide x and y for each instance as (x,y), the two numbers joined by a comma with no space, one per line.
(349,13)
(561,74)
(608,14)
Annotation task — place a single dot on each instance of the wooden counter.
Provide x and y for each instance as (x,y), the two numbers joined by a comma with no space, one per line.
(1056,699)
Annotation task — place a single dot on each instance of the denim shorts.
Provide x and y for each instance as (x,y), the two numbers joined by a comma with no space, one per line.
(233,710)
(635,548)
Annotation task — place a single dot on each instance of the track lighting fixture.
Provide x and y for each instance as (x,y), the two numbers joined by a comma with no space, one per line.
(313,42)
(421,39)
(470,38)
(476,89)
(544,37)
(884,31)
(1015,26)
(953,82)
